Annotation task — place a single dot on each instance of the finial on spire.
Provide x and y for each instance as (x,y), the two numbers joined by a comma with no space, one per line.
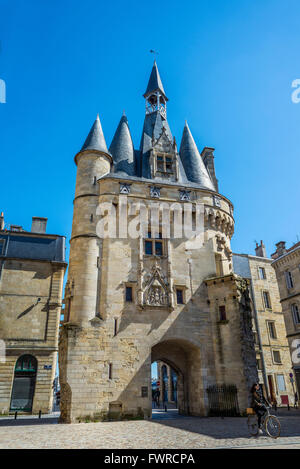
(154,52)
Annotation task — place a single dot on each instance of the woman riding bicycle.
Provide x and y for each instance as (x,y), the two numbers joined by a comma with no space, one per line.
(258,403)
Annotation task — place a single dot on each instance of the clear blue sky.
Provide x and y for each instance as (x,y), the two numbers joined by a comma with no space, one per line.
(227,67)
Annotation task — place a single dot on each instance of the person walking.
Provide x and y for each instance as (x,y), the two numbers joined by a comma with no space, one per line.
(157,397)
(296,400)
(153,398)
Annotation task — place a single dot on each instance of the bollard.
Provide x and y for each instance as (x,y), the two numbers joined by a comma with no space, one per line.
(16,415)
(288,406)
(165,408)
(40,414)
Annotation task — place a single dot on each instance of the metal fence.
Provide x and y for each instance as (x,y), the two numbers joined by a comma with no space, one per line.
(223,401)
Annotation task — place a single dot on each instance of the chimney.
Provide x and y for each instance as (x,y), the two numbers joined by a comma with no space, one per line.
(39,225)
(1,221)
(280,248)
(208,159)
(260,250)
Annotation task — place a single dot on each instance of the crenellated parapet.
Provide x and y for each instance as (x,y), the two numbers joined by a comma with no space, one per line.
(219,220)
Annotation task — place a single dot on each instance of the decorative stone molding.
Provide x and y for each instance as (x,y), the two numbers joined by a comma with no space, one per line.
(185,195)
(219,220)
(156,288)
(217,201)
(220,242)
(125,188)
(155,192)
(157,296)
(69,289)
(228,253)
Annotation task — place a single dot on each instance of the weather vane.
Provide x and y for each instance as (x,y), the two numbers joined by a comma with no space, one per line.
(153,52)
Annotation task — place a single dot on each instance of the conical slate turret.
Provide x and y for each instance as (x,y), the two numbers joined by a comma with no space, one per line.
(121,148)
(95,139)
(155,83)
(193,164)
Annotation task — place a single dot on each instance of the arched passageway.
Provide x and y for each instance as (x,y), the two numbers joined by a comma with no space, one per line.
(180,375)
(164,386)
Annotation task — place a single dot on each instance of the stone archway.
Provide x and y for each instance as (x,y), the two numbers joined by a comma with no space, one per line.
(184,358)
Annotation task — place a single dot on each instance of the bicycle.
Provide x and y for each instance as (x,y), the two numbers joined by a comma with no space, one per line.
(269,422)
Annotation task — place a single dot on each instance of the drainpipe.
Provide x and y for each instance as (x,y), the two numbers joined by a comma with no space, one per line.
(264,373)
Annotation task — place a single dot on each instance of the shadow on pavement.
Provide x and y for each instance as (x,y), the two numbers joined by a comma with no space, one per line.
(8,422)
(230,427)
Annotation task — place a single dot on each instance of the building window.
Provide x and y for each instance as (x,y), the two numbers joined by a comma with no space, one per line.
(276,357)
(110,369)
(259,363)
(129,294)
(267,302)
(154,246)
(272,330)
(280,383)
(164,163)
(289,279)
(222,312)
(179,296)
(115,327)
(1,247)
(262,273)
(296,314)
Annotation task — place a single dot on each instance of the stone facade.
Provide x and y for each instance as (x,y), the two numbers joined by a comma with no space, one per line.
(134,298)
(268,326)
(287,267)
(30,305)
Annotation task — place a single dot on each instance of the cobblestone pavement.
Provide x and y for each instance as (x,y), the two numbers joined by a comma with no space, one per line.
(181,433)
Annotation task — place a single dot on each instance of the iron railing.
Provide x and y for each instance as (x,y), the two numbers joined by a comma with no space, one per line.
(223,401)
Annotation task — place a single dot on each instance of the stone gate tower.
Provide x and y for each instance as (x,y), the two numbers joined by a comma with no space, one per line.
(134,299)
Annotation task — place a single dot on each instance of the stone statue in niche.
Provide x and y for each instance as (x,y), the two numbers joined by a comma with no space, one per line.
(156,288)
(156,296)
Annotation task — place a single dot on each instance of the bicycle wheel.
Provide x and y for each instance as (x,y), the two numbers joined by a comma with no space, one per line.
(272,426)
(252,425)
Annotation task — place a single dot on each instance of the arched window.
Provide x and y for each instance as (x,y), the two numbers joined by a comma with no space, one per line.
(26,363)
(24,383)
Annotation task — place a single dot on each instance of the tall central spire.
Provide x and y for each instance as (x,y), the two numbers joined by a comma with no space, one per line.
(156,99)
